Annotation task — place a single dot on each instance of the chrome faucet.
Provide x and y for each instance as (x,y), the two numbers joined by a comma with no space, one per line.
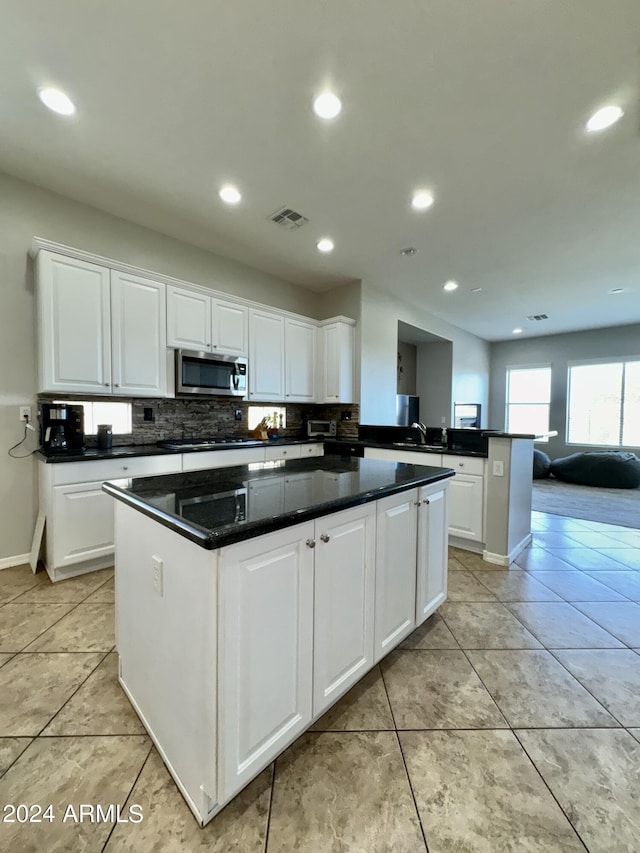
(422,430)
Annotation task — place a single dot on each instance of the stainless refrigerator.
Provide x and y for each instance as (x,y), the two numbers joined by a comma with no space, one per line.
(407,409)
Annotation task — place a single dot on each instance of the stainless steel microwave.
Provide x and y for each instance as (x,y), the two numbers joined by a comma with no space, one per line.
(320,428)
(210,374)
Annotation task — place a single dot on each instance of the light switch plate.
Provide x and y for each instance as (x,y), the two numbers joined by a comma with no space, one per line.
(498,468)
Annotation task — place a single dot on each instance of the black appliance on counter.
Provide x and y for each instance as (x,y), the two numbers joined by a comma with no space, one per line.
(61,427)
(471,441)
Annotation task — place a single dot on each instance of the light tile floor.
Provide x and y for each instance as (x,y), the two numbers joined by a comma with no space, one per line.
(510,721)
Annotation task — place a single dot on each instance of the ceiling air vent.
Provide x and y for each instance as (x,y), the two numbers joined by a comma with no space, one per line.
(538,317)
(288,218)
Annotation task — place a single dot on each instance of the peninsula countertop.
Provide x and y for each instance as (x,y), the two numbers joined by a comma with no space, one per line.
(218,507)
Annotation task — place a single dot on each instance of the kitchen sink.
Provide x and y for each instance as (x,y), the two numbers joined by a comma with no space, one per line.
(415,446)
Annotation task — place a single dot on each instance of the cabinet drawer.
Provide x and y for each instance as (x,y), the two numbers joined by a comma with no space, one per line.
(290,451)
(221,458)
(464,464)
(114,469)
(311,450)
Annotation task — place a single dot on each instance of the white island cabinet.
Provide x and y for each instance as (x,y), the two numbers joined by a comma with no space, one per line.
(229,650)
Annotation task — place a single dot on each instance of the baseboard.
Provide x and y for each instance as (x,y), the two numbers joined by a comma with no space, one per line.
(18,560)
(507,559)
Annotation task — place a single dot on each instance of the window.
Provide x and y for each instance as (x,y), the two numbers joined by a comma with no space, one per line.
(603,406)
(528,399)
(257,413)
(116,414)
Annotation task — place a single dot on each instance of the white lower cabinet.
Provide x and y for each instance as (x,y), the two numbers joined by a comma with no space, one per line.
(79,531)
(465,513)
(344,602)
(295,623)
(265,650)
(431,580)
(396,542)
(83,519)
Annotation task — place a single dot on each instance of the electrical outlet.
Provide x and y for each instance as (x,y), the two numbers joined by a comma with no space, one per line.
(498,468)
(238,414)
(25,414)
(157,566)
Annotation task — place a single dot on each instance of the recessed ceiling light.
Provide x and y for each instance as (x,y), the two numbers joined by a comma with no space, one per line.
(327,105)
(410,250)
(325,245)
(57,101)
(476,289)
(229,194)
(617,290)
(604,118)
(517,331)
(450,285)
(422,199)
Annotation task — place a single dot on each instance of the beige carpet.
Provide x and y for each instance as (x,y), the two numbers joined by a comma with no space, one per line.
(611,506)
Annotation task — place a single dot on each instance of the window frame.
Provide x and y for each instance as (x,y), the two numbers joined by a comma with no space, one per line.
(545,365)
(587,362)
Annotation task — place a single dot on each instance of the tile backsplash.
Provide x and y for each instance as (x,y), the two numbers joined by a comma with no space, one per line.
(178,418)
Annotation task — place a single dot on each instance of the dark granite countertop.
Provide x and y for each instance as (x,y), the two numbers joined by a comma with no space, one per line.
(221,506)
(119,451)
(405,446)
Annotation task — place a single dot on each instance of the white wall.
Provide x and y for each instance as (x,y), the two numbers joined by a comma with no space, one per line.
(379,336)
(407,367)
(27,211)
(434,382)
(558,351)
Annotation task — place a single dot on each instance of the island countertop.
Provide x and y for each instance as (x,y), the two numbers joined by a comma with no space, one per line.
(222,506)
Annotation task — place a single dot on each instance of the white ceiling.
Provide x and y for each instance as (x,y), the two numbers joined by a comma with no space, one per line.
(483,102)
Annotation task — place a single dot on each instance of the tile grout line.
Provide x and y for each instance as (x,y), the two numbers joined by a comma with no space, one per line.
(273,785)
(82,683)
(133,785)
(404,763)
(544,782)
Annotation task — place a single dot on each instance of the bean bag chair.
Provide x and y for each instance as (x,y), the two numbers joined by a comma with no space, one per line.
(541,464)
(611,469)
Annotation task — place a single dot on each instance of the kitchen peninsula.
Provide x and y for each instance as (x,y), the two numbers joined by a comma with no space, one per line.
(250,599)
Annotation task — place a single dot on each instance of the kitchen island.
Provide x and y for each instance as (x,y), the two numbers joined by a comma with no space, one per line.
(250,599)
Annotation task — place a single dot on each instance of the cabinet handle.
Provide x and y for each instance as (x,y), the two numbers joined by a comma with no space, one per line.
(426,501)
(116,385)
(461,464)
(125,467)
(325,537)
(417,503)
(107,384)
(311,543)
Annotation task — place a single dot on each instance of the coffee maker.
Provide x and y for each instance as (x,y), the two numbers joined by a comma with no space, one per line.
(61,427)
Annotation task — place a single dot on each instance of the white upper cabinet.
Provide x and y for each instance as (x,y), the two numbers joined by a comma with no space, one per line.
(138,336)
(266,356)
(337,356)
(188,319)
(197,321)
(100,331)
(230,327)
(74,324)
(300,360)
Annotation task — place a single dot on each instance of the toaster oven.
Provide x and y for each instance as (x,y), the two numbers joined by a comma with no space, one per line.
(321,428)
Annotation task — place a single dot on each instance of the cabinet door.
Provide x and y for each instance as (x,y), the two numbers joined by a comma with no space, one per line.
(465,506)
(230,328)
(344,602)
(265,653)
(74,335)
(266,356)
(139,336)
(431,588)
(188,319)
(300,351)
(396,534)
(82,524)
(337,363)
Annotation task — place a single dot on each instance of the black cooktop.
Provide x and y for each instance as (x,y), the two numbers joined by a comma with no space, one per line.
(188,443)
